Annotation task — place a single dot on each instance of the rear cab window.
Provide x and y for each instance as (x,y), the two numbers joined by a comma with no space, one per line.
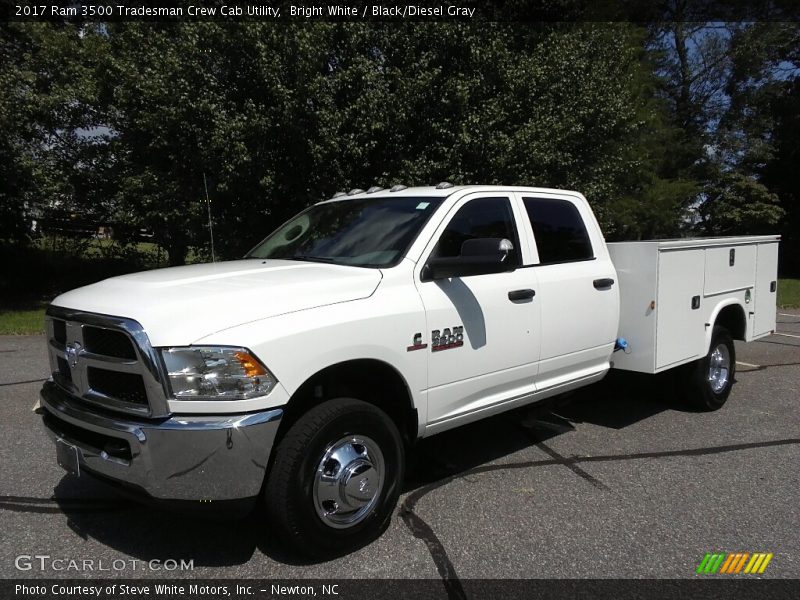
(559,231)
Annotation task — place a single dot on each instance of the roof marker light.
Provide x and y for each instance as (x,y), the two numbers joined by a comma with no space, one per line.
(374,188)
(339,194)
(355,191)
(398,188)
(444,185)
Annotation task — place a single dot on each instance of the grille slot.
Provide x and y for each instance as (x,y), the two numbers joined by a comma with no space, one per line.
(60,331)
(126,387)
(108,342)
(63,370)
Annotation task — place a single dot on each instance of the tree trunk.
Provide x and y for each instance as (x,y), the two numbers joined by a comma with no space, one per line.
(176,253)
(683,106)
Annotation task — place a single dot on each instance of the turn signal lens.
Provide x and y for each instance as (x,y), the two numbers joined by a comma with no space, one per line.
(251,366)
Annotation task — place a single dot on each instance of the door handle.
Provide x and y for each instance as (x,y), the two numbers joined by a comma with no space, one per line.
(604,283)
(521,295)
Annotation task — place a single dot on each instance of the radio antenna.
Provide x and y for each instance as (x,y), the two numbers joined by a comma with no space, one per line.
(210,224)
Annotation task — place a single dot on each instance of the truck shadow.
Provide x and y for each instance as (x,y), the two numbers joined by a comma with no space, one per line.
(618,401)
(97,511)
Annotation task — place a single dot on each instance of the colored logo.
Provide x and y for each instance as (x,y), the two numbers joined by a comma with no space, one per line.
(723,563)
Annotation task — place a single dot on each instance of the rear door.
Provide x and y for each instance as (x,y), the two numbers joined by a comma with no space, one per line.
(486,326)
(577,288)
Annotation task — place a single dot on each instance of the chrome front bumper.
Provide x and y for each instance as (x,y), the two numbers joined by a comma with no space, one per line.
(190,457)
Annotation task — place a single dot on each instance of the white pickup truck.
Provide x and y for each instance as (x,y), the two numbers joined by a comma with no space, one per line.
(303,373)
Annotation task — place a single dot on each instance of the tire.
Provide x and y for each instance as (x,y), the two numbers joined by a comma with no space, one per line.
(335,479)
(709,380)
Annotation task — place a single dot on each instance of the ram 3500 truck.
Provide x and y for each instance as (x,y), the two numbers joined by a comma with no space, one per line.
(303,373)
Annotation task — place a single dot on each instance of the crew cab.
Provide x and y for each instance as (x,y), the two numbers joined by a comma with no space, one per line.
(303,373)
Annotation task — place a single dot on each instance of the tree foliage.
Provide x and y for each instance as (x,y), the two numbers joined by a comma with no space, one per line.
(48,108)
(720,80)
(666,130)
(276,118)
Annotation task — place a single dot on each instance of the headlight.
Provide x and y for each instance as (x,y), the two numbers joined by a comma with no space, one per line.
(216,373)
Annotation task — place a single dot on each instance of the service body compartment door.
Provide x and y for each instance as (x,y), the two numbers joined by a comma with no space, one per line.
(680,328)
(766,289)
(729,268)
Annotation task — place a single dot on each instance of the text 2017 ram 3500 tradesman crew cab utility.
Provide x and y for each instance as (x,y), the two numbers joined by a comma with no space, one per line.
(302,373)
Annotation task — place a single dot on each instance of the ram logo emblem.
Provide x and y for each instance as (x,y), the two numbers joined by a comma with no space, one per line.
(447,338)
(73,352)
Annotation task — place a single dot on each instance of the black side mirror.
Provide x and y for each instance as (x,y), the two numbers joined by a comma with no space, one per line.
(479,256)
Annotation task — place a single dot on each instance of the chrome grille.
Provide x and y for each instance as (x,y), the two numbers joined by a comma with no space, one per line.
(105,361)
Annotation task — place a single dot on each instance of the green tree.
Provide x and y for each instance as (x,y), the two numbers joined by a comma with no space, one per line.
(551,105)
(48,157)
(738,204)
(16,131)
(782,175)
(278,117)
(274,118)
(718,79)
(763,126)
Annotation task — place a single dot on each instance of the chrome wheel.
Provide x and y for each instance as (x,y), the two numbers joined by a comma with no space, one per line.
(348,481)
(719,368)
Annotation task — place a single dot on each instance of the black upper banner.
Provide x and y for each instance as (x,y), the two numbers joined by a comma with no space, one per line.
(438,10)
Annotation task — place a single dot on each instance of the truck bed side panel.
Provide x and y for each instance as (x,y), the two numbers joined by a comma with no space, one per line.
(691,281)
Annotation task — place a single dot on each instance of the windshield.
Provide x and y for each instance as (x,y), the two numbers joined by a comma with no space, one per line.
(364,232)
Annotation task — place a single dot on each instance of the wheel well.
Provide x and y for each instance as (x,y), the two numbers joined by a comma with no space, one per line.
(369,380)
(732,318)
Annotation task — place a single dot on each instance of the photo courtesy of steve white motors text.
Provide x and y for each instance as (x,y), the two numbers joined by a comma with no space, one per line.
(169,589)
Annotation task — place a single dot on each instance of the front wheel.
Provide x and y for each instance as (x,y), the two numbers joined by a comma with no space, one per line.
(336,478)
(710,379)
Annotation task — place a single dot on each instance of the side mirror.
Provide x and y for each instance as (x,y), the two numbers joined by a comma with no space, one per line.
(479,256)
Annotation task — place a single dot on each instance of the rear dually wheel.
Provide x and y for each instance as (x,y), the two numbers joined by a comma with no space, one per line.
(709,380)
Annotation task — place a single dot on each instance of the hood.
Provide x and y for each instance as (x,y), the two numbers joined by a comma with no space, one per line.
(179,305)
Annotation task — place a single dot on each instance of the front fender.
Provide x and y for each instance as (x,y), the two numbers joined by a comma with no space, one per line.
(296,346)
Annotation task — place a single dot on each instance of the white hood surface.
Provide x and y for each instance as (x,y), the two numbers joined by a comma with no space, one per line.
(179,305)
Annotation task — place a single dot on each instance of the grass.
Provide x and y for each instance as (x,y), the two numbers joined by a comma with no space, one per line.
(789,293)
(22,322)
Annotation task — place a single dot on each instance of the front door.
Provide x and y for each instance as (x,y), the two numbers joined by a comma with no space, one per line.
(483,330)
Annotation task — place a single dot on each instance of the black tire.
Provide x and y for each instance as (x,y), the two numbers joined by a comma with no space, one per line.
(345,427)
(702,391)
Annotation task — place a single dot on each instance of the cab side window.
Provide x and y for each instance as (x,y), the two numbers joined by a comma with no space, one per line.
(559,230)
(479,218)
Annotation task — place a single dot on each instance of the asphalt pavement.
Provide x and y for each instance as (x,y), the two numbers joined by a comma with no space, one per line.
(620,480)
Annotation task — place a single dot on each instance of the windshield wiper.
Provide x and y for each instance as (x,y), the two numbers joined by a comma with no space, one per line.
(308,257)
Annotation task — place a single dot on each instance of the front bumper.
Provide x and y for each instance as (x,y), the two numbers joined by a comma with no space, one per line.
(208,458)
